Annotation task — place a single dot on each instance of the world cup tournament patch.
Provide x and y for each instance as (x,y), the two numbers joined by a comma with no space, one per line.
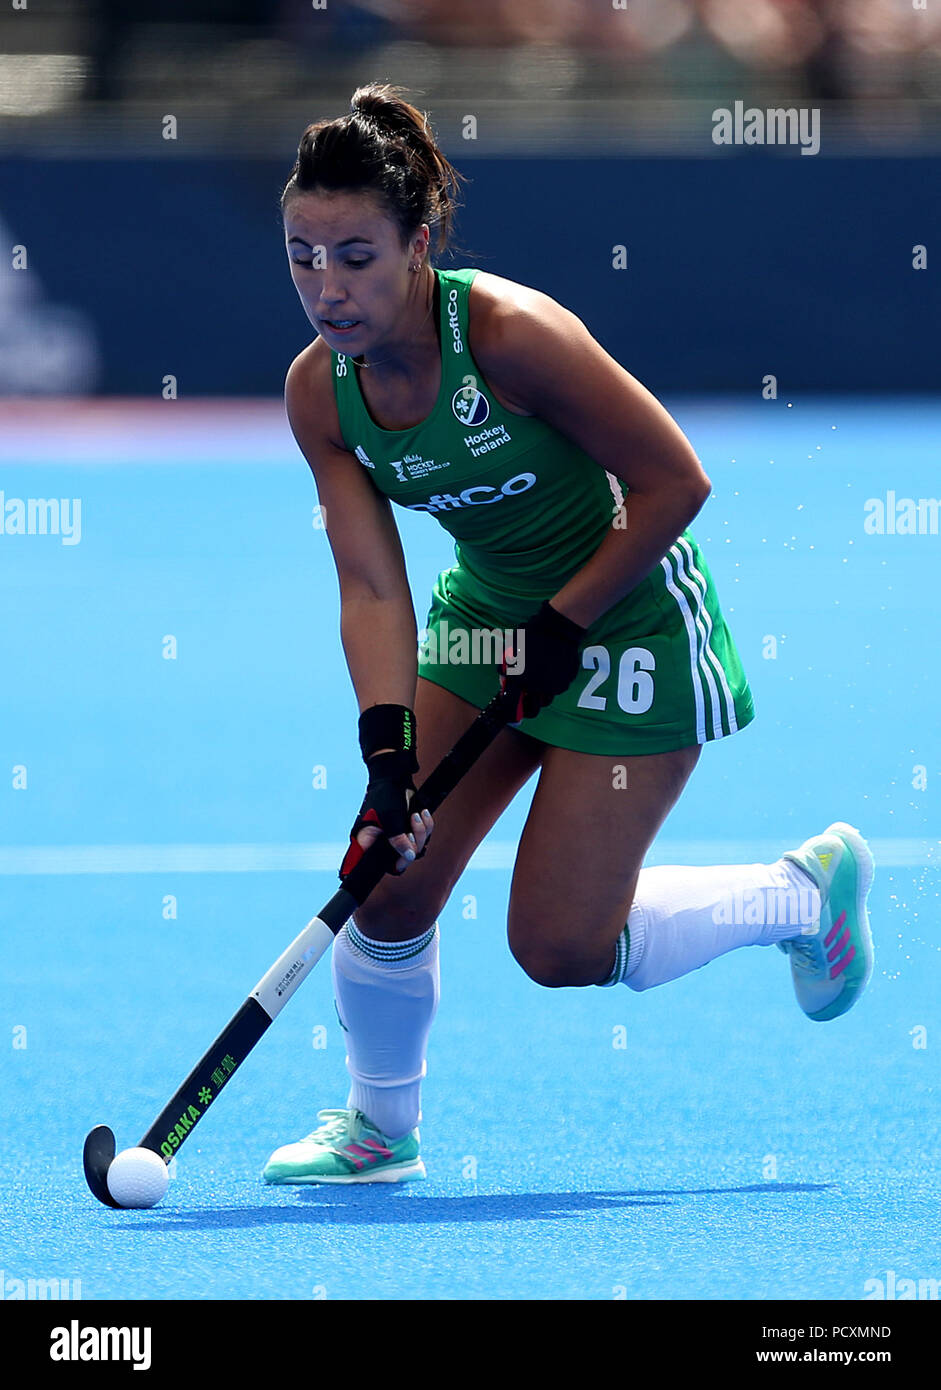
(416,467)
(470,406)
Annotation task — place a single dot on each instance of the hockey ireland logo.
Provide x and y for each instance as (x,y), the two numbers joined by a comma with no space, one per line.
(470,406)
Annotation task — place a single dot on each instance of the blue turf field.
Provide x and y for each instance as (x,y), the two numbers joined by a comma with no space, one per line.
(728,1149)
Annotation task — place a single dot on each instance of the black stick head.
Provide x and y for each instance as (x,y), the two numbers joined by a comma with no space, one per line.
(97,1156)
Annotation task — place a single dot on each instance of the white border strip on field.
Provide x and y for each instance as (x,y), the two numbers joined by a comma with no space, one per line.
(130,432)
(326,855)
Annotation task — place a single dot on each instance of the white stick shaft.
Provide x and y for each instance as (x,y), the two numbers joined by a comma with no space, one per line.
(275,988)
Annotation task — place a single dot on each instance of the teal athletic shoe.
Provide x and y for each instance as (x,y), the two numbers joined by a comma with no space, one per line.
(831,963)
(346,1147)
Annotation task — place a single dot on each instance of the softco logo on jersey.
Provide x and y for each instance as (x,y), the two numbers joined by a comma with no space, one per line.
(471,496)
(454,322)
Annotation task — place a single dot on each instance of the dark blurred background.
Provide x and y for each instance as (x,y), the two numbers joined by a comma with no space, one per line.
(592,123)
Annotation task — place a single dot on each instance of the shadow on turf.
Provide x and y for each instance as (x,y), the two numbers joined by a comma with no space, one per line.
(387,1204)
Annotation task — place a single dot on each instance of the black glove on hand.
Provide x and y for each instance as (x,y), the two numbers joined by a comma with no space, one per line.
(390,786)
(549,661)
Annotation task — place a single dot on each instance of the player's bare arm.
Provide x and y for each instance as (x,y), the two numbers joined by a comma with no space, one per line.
(543,359)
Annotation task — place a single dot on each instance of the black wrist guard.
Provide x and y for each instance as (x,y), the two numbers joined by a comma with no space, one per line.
(388,726)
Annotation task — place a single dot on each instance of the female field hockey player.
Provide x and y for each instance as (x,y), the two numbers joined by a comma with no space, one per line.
(568,489)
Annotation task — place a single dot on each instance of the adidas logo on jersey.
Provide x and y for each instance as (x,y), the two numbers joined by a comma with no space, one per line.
(363,457)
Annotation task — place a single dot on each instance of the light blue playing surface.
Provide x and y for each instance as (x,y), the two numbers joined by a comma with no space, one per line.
(703,1140)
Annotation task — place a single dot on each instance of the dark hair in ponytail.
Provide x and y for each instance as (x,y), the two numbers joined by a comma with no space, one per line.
(385,146)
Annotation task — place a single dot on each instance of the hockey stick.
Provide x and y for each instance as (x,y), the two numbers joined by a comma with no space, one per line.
(176,1121)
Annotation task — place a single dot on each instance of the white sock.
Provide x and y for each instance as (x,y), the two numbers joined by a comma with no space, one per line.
(682,918)
(386,997)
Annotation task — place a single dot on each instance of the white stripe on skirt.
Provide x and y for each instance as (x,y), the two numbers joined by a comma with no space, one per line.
(720,669)
(693,649)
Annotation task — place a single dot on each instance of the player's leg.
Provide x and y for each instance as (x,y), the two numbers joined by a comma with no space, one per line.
(583,911)
(385,960)
(385,964)
(592,819)
(402,906)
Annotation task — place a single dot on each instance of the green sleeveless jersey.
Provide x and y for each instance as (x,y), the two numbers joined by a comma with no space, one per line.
(526,506)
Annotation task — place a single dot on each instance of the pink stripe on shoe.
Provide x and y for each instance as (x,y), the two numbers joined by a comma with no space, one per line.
(380,1148)
(370,1149)
(834,929)
(840,945)
(841,965)
(358,1149)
